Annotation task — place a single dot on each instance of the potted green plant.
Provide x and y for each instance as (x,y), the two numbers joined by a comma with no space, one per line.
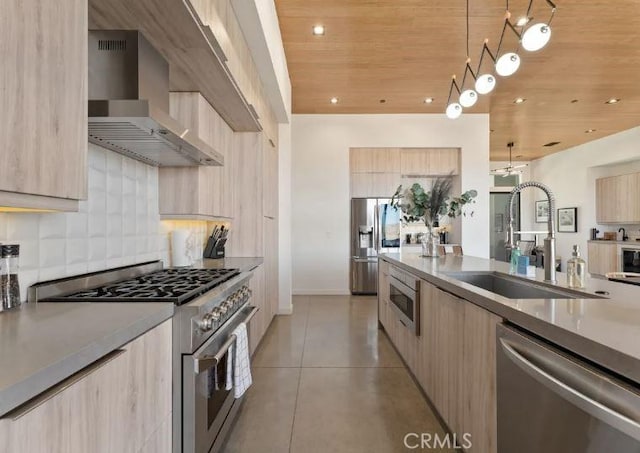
(429,206)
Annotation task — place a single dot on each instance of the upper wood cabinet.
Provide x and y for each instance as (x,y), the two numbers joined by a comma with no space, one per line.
(429,161)
(247,160)
(602,257)
(374,160)
(219,19)
(194,192)
(617,199)
(371,185)
(43,97)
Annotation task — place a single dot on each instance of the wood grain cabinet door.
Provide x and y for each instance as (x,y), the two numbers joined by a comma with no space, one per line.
(43,98)
(118,404)
(374,160)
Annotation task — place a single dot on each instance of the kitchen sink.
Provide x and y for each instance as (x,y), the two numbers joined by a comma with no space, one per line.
(513,287)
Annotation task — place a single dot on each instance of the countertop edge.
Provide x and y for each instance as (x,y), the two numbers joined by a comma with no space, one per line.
(591,350)
(21,392)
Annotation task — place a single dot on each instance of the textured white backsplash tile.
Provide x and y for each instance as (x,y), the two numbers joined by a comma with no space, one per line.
(119,224)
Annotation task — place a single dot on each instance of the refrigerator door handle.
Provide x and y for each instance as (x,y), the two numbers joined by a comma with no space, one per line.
(376,228)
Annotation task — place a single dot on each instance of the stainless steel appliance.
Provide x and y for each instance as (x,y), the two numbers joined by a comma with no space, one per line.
(375,228)
(211,303)
(550,401)
(630,259)
(129,103)
(404,294)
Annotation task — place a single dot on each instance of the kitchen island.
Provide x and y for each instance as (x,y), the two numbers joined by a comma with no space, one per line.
(453,354)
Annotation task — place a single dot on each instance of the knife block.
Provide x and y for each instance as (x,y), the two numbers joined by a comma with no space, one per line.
(214,249)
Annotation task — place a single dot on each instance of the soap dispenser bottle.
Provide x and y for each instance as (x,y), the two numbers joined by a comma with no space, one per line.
(515,256)
(576,270)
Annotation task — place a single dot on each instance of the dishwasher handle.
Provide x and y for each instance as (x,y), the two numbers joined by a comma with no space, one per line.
(588,404)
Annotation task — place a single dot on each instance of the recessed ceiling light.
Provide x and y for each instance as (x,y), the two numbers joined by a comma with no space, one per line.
(519,156)
(573,101)
(522,21)
(551,144)
(318,30)
(519,100)
(588,131)
(334,100)
(428,100)
(382,101)
(613,101)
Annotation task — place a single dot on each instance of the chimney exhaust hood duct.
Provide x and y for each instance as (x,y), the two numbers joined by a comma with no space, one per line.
(129,104)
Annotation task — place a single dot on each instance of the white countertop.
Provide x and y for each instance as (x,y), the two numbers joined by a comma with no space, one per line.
(605,331)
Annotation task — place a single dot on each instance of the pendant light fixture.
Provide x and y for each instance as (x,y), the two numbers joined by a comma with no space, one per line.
(485,82)
(454,109)
(533,37)
(509,169)
(468,97)
(508,63)
(536,36)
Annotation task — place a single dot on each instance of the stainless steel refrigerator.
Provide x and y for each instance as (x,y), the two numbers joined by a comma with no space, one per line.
(375,228)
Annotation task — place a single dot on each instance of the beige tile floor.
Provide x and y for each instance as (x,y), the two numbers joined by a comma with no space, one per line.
(327,380)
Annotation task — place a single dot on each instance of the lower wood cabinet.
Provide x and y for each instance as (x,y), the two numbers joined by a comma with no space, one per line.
(121,403)
(453,360)
(602,258)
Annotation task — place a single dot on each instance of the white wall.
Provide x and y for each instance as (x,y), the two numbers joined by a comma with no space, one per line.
(571,176)
(320,184)
(284,218)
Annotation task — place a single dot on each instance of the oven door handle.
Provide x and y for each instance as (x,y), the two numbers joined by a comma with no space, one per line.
(206,362)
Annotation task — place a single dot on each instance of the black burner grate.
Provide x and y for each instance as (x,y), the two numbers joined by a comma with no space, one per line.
(167,285)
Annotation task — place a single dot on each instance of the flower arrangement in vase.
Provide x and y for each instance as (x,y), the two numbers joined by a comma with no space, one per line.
(429,206)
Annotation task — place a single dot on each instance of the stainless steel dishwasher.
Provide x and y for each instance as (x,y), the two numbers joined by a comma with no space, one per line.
(551,401)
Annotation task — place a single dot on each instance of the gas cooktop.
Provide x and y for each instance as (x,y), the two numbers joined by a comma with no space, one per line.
(167,285)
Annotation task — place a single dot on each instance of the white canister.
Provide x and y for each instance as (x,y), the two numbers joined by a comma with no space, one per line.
(182,248)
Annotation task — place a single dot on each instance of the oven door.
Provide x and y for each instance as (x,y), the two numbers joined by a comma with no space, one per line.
(404,300)
(631,260)
(206,399)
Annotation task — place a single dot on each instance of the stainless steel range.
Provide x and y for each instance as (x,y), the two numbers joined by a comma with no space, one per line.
(211,303)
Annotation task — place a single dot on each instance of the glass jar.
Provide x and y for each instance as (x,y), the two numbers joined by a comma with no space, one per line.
(9,268)
(430,242)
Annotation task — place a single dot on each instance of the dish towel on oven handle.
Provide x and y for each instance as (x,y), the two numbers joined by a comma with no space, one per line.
(238,365)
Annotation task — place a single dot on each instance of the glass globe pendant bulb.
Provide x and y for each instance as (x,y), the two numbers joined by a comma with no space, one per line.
(536,37)
(454,110)
(468,98)
(508,64)
(485,83)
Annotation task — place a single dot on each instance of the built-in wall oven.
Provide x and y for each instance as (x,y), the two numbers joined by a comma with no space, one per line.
(208,393)
(404,294)
(630,259)
(553,402)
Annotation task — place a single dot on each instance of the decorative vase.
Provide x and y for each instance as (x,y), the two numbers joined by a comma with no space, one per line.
(430,242)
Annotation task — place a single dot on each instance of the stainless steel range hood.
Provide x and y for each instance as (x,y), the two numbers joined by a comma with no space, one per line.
(129,104)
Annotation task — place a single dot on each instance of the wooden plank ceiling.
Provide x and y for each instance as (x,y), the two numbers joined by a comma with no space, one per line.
(402,51)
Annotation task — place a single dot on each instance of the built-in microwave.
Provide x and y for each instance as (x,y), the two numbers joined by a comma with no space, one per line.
(404,295)
(631,260)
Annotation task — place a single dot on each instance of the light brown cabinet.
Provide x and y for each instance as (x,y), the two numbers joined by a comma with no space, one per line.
(246,237)
(43,97)
(453,360)
(602,258)
(422,162)
(120,403)
(617,199)
(372,185)
(271,266)
(198,192)
(374,160)
(270,179)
